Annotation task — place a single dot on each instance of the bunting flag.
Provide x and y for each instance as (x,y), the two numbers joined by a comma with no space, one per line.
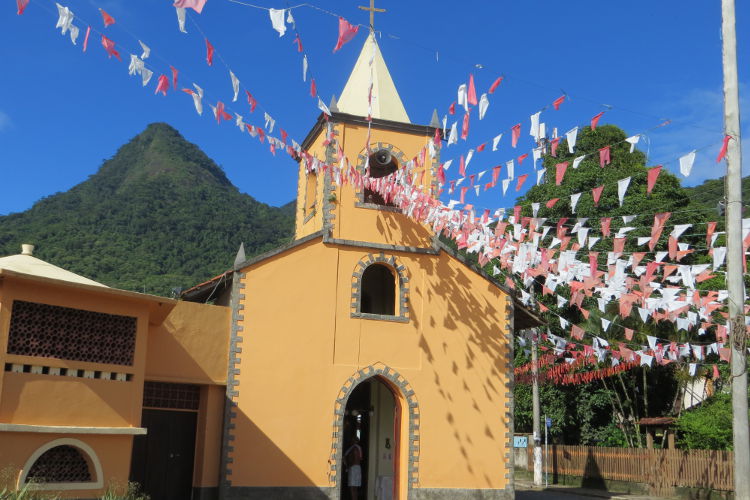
(109,46)
(597,193)
(465,127)
(277,20)
(622,187)
(604,156)
(181,19)
(313,88)
(174,77)
(571,136)
(515,134)
(162,85)
(686,163)
(595,120)
(556,103)
(724,146)
(251,101)
(297,41)
(494,85)
(196,5)
(574,201)
(209,53)
(521,180)
(560,169)
(484,103)
(653,174)
(346,33)
(471,95)
(86,38)
(108,20)
(146,50)
(22,4)
(235,85)
(197,96)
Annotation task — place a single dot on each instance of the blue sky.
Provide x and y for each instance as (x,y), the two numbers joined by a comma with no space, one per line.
(63,111)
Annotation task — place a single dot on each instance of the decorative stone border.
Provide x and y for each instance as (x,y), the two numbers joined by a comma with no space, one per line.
(396,380)
(403,287)
(232,391)
(360,193)
(510,403)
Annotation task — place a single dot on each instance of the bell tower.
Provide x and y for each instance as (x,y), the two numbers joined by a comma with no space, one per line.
(369,130)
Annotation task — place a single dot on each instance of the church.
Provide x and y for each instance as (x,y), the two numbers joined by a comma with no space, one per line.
(366,359)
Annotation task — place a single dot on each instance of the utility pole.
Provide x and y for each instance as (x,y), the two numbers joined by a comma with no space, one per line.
(735,254)
(535,410)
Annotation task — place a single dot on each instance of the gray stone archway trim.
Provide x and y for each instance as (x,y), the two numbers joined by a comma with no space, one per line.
(411,411)
(403,287)
(360,193)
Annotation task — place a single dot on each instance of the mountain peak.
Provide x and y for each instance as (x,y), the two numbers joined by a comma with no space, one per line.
(160,153)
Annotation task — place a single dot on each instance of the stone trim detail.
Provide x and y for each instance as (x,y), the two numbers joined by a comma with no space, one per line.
(510,487)
(328,188)
(459,494)
(403,287)
(232,391)
(412,410)
(362,157)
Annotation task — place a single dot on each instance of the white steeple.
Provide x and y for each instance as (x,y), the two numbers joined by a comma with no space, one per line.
(386,103)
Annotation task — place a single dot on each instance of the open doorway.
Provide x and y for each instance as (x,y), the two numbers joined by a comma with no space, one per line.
(371,422)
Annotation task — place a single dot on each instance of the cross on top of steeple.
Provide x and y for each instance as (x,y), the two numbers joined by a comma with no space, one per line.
(372,10)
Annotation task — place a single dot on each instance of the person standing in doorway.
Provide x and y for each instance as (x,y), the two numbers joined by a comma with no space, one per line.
(353,458)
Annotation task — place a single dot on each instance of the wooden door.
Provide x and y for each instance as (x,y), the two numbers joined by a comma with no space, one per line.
(162,461)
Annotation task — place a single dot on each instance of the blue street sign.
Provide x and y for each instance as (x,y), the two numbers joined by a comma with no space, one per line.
(549,422)
(520,441)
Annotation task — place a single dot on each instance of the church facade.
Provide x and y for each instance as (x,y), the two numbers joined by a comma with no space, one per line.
(365,333)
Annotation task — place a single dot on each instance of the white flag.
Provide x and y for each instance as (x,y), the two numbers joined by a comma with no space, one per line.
(235,85)
(574,201)
(540,175)
(146,50)
(622,187)
(322,106)
(277,20)
(686,163)
(633,140)
(577,160)
(534,129)
(453,136)
(505,185)
(304,68)
(495,141)
(511,169)
(484,103)
(571,135)
(463,97)
(181,18)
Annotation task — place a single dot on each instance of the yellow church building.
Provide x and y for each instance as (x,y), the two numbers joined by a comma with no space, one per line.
(365,329)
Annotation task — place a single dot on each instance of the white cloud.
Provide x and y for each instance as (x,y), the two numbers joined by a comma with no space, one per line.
(5,123)
(697,123)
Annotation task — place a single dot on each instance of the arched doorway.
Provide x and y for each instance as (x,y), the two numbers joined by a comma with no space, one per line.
(371,420)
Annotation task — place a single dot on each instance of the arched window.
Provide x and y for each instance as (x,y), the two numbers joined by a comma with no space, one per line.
(382,163)
(61,464)
(378,290)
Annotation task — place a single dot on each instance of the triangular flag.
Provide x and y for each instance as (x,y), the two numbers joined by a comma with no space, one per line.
(346,33)
(521,180)
(196,5)
(560,169)
(515,134)
(571,136)
(471,96)
(604,156)
(209,53)
(574,201)
(495,84)
(556,103)
(108,20)
(597,193)
(235,85)
(653,174)
(595,120)
(724,146)
(686,163)
(622,187)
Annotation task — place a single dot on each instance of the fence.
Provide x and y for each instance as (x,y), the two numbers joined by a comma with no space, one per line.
(660,469)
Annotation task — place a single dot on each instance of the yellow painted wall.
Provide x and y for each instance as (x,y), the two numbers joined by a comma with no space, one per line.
(301,345)
(191,345)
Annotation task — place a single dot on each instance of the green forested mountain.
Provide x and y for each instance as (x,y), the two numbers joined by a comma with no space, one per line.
(712,191)
(159,214)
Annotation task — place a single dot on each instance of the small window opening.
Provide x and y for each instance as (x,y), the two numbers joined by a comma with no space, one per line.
(61,464)
(382,164)
(378,291)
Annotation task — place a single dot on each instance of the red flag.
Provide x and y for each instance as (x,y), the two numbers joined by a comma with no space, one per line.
(462,166)
(452,108)
(441,174)
(496,174)
(628,334)
(196,5)
(551,203)
(595,120)
(251,101)
(724,147)
(86,38)
(284,135)
(605,222)
(465,127)
(209,53)
(162,85)
(576,332)
(220,113)
(109,46)
(653,174)
(313,88)
(174,76)
(107,18)
(604,156)
(556,103)
(593,256)
(521,180)
(298,42)
(597,193)
(711,227)
(346,33)
(21,4)
(560,169)
(471,97)
(496,84)
(656,229)
(516,133)
(517,212)
(554,143)
(481,147)
(463,193)
(716,372)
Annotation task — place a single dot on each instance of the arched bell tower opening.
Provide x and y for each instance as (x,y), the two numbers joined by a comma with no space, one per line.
(381,163)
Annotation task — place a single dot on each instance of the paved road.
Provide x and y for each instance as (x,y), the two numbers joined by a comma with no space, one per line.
(525,491)
(548,495)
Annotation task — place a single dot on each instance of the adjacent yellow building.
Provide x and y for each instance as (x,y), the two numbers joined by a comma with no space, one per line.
(365,328)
